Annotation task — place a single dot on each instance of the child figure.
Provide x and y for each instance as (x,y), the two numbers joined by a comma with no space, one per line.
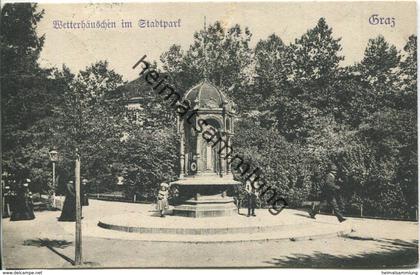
(162,203)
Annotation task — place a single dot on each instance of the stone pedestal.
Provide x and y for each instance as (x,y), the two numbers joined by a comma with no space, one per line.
(205,196)
(206,207)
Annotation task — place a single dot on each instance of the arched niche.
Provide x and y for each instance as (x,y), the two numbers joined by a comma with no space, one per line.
(210,157)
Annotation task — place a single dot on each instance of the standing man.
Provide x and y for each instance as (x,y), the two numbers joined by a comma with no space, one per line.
(251,197)
(328,195)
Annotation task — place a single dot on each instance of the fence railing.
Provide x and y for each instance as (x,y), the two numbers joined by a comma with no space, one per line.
(117,197)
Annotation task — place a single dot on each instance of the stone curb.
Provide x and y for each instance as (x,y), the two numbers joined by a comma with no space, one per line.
(183,238)
(199,231)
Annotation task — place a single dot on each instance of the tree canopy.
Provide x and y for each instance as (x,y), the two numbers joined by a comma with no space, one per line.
(300,109)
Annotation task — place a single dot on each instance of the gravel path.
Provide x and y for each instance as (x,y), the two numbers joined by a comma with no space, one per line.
(46,243)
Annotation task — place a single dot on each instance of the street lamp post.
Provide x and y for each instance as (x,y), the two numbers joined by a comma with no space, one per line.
(78,246)
(54,158)
(6,194)
(7,201)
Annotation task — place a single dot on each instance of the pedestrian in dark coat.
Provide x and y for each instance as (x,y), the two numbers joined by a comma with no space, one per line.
(68,213)
(329,194)
(23,208)
(84,192)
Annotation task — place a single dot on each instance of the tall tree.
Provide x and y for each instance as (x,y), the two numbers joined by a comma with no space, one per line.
(222,55)
(378,69)
(91,119)
(314,59)
(316,55)
(408,75)
(28,94)
(20,44)
(272,68)
(407,104)
(379,61)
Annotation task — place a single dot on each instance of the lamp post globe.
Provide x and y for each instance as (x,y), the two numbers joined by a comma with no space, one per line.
(53,155)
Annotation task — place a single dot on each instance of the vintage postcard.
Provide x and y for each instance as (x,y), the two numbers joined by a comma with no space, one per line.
(209,134)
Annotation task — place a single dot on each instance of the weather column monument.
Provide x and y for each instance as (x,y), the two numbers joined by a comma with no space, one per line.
(206,181)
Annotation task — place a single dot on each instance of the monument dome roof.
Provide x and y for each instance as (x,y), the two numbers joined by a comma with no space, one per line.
(206,95)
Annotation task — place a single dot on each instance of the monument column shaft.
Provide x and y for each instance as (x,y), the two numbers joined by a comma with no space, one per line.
(182,155)
(229,157)
(197,153)
(221,156)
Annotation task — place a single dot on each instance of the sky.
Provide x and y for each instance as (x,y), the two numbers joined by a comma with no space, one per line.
(122,47)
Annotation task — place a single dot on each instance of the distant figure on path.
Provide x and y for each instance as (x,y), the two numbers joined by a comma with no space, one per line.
(68,214)
(30,202)
(23,208)
(329,195)
(251,198)
(84,191)
(162,199)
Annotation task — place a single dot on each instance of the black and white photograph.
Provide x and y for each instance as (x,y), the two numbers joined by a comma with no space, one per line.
(209,135)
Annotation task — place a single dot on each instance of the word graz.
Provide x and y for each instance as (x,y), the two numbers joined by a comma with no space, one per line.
(375,19)
(211,135)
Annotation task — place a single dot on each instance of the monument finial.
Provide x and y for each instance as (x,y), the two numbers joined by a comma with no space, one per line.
(205,50)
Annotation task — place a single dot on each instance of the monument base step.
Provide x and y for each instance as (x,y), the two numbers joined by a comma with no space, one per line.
(291,225)
(205,210)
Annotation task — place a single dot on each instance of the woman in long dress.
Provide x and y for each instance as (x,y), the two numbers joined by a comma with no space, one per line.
(23,208)
(68,214)
(84,192)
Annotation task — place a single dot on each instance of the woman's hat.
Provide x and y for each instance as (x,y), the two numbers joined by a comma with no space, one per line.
(164,184)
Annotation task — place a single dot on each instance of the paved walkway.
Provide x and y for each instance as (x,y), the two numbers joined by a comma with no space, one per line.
(145,225)
(46,243)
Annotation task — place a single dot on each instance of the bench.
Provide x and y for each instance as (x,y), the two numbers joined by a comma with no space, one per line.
(38,205)
(310,203)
